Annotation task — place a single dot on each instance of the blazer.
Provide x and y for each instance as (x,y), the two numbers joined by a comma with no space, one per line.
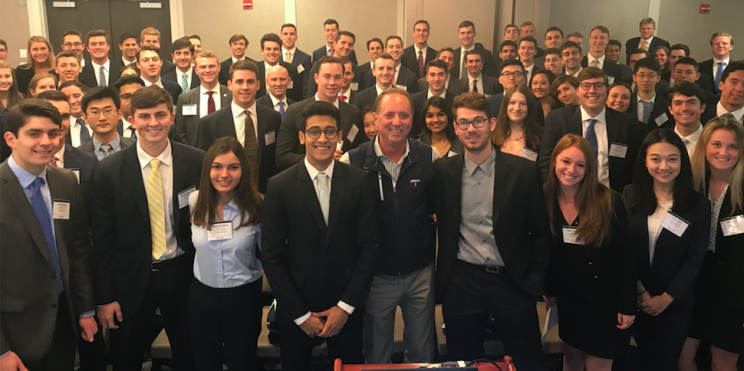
(409,59)
(220,124)
(88,76)
(660,110)
(303,59)
(266,101)
(611,68)
(522,235)
(28,285)
(632,44)
(417,101)
(171,76)
(677,260)
(406,78)
(90,148)
(365,97)
(85,164)
(289,151)
(24,74)
(310,265)
(311,87)
(172,88)
(187,126)
(491,85)
(168,67)
(225,69)
(294,90)
(322,52)
(486,57)
(621,128)
(455,86)
(122,259)
(729,258)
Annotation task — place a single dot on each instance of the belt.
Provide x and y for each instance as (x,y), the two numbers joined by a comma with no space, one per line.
(170,263)
(493,269)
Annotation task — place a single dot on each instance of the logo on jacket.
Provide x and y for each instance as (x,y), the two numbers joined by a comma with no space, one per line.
(415,182)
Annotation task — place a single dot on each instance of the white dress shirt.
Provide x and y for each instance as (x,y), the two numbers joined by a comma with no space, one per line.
(600,129)
(346,93)
(423,54)
(528,72)
(335,103)
(648,43)
(179,76)
(738,114)
(75,131)
(127,128)
(235,60)
(158,83)
(126,62)
(430,94)
(60,156)
(239,121)
(591,60)
(479,84)
(97,70)
(204,99)
(691,140)
(275,102)
(715,66)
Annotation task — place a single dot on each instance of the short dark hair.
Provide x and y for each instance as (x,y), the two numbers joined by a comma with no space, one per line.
(438,63)
(3,43)
(688,89)
(328,60)
(445,49)
(73,32)
(149,47)
(375,40)
(510,62)
(641,51)
(52,96)
(587,73)
(76,83)
(194,36)
(182,43)
(320,108)
(472,52)
(244,65)
(555,51)
(602,29)
(465,24)
(149,97)
(616,43)
(125,36)
(345,33)
(94,33)
(66,54)
(649,63)
(554,28)
(570,44)
(330,21)
(507,43)
(238,37)
(420,21)
(732,67)
(687,60)
(128,79)
(682,47)
(511,25)
(528,39)
(99,93)
(19,114)
(473,101)
(288,25)
(271,37)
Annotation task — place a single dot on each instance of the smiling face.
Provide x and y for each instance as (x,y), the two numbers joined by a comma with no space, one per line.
(153,124)
(73,43)
(68,69)
(374,50)
(508,52)
(237,48)
(474,139)
(553,63)
(516,109)
(647,30)
(271,52)
(732,90)
(39,52)
(182,57)
(319,151)
(598,42)
(395,48)
(571,58)
(466,36)
(421,33)
(721,47)
(207,69)
(619,98)
(685,72)
(149,64)
(394,119)
(511,75)
(540,85)
(98,48)
(329,78)
(129,48)
(370,130)
(511,33)
(244,86)
(449,58)
(592,99)
(570,167)
(661,57)
(675,55)
(437,79)
(289,37)
(527,51)
(567,94)
(435,119)
(102,116)
(613,52)
(384,71)
(277,81)
(151,40)
(663,162)
(329,32)
(74,95)
(225,173)
(553,39)
(34,146)
(686,110)
(6,79)
(344,46)
(474,63)
(722,152)
(43,85)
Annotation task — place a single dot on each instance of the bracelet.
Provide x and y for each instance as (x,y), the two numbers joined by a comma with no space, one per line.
(641,293)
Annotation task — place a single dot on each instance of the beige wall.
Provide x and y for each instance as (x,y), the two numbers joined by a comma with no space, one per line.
(14,29)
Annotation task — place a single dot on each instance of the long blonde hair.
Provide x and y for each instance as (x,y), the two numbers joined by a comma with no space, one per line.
(701,167)
(39,39)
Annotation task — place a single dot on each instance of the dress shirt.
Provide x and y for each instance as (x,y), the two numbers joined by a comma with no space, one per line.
(577,72)
(239,121)
(106,69)
(75,131)
(266,71)
(275,102)
(126,62)
(292,52)
(26,178)
(738,114)
(179,76)
(430,94)
(715,65)
(591,59)
(600,128)
(328,50)
(235,60)
(60,156)
(691,140)
(639,107)
(423,54)
(479,84)
(204,99)
(345,93)
(654,226)
(648,43)
(335,103)
(166,178)
(231,262)
(127,128)
(462,55)
(158,83)
(115,144)
(313,172)
(379,89)
(528,71)
(477,241)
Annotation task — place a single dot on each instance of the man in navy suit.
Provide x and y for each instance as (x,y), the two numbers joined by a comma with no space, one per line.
(416,56)
(721,44)
(647,41)
(238,44)
(343,47)
(466,34)
(330,31)
(646,105)
(599,37)
(184,75)
(101,71)
(290,53)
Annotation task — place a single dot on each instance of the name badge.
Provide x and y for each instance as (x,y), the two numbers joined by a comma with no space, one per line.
(401,87)
(270,138)
(618,150)
(569,235)
(733,226)
(183,197)
(300,68)
(354,86)
(291,85)
(77,174)
(189,110)
(662,119)
(674,224)
(220,231)
(340,145)
(61,209)
(610,79)
(529,154)
(352,133)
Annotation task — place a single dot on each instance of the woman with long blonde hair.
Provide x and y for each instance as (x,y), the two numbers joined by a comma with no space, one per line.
(40,59)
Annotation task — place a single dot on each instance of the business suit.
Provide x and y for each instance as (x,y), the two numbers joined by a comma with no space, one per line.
(172,88)
(266,101)
(659,111)
(523,240)
(85,164)
(38,322)
(88,76)
(311,265)
(486,57)
(300,58)
(322,52)
(350,98)
(90,148)
(632,45)
(294,90)
(311,87)
(365,97)
(621,129)
(123,263)
(365,70)
(171,76)
(409,59)
(417,101)
(406,78)
(187,125)
(289,151)
(676,263)
(23,75)
(455,86)
(611,68)
(706,68)
(220,124)
(168,67)
(225,69)
(491,85)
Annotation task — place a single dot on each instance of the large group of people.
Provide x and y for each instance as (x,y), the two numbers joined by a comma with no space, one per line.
(147,191)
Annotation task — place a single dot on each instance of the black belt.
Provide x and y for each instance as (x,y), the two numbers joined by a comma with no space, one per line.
(170,263)
(493,269)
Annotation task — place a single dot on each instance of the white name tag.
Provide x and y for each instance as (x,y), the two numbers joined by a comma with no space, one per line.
(270,138)
(674,224)
(610,79)
(354,86)
(188,110)
(183,197)
(300,68)
(340,145)
(220,231)
(569,235)
(662,119)
(529,154)
(618,150)
(291,85)
(77,174)
(401,87)
(61,210)
(352,133)
(733,226)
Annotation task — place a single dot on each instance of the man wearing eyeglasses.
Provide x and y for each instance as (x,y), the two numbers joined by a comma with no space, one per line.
(648,107)
(614,136)
(73,41)
(511,72)
(101,111)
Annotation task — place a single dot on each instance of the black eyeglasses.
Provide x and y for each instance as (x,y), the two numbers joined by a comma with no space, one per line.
(479,122)
(314,132)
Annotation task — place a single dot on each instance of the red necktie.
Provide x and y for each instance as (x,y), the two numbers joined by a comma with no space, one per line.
(421,64)
(342,97)
(54,162)
(331,52)
(210,102)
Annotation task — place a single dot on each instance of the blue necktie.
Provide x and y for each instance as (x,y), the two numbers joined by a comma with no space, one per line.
(84,133)
(647,108)
(718,75)
(281,109)
(45,222)
(101,77)
(591,137)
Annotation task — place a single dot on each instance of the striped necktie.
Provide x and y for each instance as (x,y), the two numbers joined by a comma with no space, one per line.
(156,206)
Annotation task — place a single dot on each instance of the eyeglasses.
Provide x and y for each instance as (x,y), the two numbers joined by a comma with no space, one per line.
(479,122)
(509,75)
(314,132)
(586,86)
(643,76)
(70,45)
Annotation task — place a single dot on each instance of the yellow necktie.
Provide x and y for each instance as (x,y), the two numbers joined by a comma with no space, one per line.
(157,209)
(288,57)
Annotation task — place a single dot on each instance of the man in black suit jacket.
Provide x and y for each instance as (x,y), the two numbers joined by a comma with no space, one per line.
(98,47)
(436,75)
(404,78)
(182,53)
(731,100)
(383,74)
(151,36)
(721,44)
(375,47)
(145,188)
(475,80)
(503,275)
(618,135)
(319,246)
(45,251)
(290,53)
(647,40)
(289,150)
(270,49)
(344,46)
(330,33)
(653,108)
(277,80)
(600,37)
(419,49)
(238,44)
(263,123)
(687,69)
(466,34)
(149,64)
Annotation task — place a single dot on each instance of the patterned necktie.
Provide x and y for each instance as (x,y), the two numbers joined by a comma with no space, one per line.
(475,85)
(133,133)
(210,102)
(718,75)
(288,57)
(422,72)
(342,97)
(591,137)
(324,194)
(281,109)
(107,149)
(45,222)
(54,161)
(331,51)
(184,83)
(251,146)
(156,206)
(101,77)
(84,133)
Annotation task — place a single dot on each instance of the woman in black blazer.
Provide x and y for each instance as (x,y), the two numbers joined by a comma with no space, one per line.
(593,271)
(669,224)
(40,60)
(718,170)
(519,126)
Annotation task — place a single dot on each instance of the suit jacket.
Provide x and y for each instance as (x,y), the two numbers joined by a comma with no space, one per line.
(632,44)
(311,87)
(409,59)
(310,265)
(611,68)
(168,67)
(455,86)
(172,88)
(365,97)
(676,260)
(187,126)
(303,59)
(621,129)
(322,52)
(706,69)
(225,69)
(661,108)
(294,90)
(24,76)
(727,276)
(121,259)
(220,124)
(28,284)
(491,85)
(88,76)
(90,148)
(523,235)
(710,112)
(406,78)
(171,76)
(289,151)
(85,164)
(486,57)
(417,101)
(266,101)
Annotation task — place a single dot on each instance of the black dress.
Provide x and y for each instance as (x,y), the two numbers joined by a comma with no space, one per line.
(594,284)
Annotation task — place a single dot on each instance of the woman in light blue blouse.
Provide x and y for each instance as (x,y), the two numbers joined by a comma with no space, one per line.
(225,298)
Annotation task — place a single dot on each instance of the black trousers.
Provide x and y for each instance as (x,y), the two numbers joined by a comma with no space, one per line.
(168,290)
(471,294)
(93,354)
(297,347)
(61,353)
(225,324)
(660,339)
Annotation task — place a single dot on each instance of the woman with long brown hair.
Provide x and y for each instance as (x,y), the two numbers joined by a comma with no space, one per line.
(517,130)
(225,297)
(9,94)
(592,277)
(40,59)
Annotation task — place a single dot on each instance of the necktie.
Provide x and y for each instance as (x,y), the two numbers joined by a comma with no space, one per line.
(331,51)
(54,161)
(718,75)
(324,194)
(475,85)
(101,77)
(288,57)
(643,45)
(729,116)
(463,70)
(210,102)
(342,97)
(156,205)
(591,137)
(84,134)
(281,109)
(45,222)
(251,146)
(647,108)
(421,64)
(133,133)
(184,83)
(595,63)
(107,149)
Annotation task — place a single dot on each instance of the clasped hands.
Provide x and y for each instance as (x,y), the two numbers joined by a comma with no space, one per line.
(325,324)
(654,305)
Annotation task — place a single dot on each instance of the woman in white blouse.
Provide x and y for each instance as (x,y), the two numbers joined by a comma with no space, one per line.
(225,298)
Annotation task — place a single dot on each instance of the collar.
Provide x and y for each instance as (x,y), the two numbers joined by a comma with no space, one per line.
(397,68)
(216,90)
(148,83)
(328,48)
(591,59)
(471,78)
(487,166)
(125,124)
(430,94)
(577,72)
(237,110)
(285,50)
(467,50)
(115,143)
(275,100)
(378,149)
(234,60)
(692,138)
(379,89)
(126,62)
(652,100)
(60,155)
(313,172)
(105,65)
(648,40)
(725,61)
(738,114)
(417,50)
(346,92)
(335,103)
(164,157)
(187,73)
(24,177)
(602,117)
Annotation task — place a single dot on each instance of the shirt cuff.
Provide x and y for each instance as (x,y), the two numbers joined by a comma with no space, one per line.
(301,320)
(87,314)
(346,307)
